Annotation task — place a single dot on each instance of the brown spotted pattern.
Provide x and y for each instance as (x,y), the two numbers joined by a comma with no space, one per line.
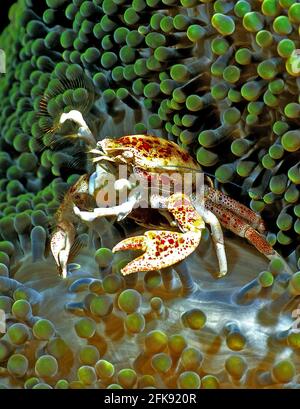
(239,209)
(240,227)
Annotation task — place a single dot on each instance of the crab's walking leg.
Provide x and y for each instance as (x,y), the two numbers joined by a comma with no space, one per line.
(217,236)
(226,202)
(165,248)
(241,228)
(242,221)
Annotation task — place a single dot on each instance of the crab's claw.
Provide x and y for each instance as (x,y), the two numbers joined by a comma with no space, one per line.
(61,243)
(161,249)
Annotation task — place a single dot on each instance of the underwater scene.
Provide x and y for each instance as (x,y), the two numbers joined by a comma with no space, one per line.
(149,202)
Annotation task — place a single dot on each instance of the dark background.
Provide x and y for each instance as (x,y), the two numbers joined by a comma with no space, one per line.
(4,7)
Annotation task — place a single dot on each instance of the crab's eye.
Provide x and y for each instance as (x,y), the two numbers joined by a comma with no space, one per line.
(127,154)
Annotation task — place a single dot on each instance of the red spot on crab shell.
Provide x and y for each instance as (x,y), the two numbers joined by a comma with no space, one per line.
(134,141)
(144,145)
(185,156)
(124,140)
(165,152)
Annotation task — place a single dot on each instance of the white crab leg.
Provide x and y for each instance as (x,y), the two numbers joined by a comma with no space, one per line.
(217,235)
(121,210)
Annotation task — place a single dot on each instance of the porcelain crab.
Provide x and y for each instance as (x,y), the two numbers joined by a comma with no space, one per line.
(154,158)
